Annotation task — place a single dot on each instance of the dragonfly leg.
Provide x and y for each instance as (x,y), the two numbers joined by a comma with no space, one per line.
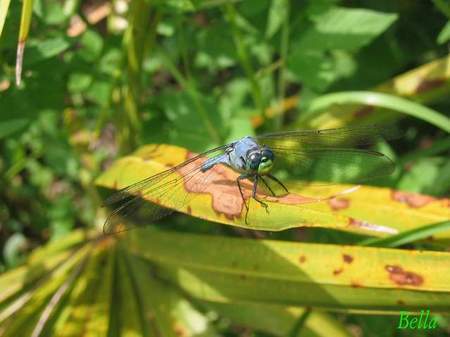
(238,180)
(278,181)
(262,203)
(265,183)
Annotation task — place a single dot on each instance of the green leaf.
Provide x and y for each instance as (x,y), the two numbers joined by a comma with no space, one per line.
(162,307)
(278,13)
(183,112)
(344,28)
(32,302)
(312,68)
(444,35)
(79,82)
(14,248)
(427,83)
(410,236)
(92,45)
(4,5)
(41,50)
(181,5)
(370,98)
(279,320)
(11,126)
(332,277)
(87,308)
(221,202)
(426,175)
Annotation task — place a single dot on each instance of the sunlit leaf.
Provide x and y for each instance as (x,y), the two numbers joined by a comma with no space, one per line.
(223,203)
(342,278)
(278,13)
(444,35)
(345,28)
(379,100)
(425,84)
(278,320)
(3,12)
(33,301)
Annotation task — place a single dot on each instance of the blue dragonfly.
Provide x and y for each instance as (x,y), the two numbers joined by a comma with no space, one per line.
(255,160)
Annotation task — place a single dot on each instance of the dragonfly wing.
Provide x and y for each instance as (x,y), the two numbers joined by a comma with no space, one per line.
(330,154)
(334,164)
(347,137)
(158,195)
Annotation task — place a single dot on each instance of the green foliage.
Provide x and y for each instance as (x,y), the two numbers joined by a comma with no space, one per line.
(99,81)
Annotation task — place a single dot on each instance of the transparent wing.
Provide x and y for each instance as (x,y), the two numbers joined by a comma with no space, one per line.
(348,137)
(158,195)
(331,154)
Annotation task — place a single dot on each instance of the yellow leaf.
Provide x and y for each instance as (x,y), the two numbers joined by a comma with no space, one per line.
(221,201)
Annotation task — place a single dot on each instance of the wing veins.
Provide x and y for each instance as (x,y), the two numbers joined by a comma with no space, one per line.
(131,189)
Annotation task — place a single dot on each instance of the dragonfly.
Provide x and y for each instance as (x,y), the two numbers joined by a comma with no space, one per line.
(254,162)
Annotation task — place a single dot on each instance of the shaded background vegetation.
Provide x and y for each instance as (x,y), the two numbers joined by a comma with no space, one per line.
(100,79)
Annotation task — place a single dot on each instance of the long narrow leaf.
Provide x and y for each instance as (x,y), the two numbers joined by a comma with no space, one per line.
(361,279)
(380,100)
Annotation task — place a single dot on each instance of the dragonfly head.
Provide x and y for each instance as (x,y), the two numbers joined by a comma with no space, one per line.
(260,160)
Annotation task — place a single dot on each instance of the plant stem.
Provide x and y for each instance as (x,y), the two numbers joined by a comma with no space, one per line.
(244,58)
(189,85)
(284,46)
(136,41)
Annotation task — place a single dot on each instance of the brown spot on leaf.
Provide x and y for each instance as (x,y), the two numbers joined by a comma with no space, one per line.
(428,84)
(355,284)
(400,302)
(337,204)
(354,222)
(403,277)
(220,183)
(337,271)
(243,277)
(189,210)
(347,258)
(414,200)
(363,112)
(302,259)
(170,165)
(180,330)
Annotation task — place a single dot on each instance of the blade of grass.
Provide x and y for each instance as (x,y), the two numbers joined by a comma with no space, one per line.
(279,320)
(408,236)
(4,5)
(135,47)
(299,324)
(344,278)
(386,101)
(25,20)
(189,85)
(244,57)
(438,146)
(284,48)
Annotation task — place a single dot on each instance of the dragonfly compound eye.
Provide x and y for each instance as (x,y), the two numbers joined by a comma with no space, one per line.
(265,165)
(253,160)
